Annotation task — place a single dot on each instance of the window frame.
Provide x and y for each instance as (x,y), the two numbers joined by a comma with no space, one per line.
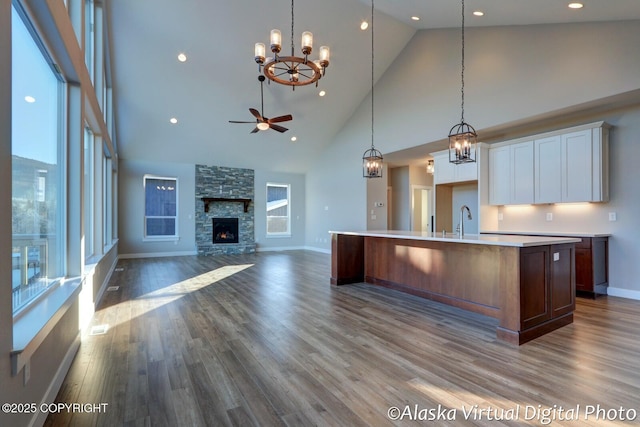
(286,233)
(156,238)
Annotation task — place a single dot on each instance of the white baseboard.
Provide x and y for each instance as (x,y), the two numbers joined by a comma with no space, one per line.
(623,293)
(40,417)
(156,254)
(279,248)
(315,249)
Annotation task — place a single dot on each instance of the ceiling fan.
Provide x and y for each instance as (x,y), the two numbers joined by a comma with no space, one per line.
(264,123)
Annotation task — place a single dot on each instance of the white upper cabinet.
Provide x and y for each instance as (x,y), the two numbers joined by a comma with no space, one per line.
(558,167)
(511,174)
(447,172)
(548,176)
(500,175)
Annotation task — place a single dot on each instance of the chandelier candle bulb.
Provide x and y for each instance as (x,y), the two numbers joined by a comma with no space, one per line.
(307,42)
(324,56)
(260,53)
(276,41)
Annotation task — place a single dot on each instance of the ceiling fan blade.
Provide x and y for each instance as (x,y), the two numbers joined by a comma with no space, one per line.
(254,130)
(278,128)
(280,119)
(256,114)
(236,121)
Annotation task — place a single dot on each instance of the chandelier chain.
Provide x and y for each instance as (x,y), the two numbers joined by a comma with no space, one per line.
(372,79)
(462,72)
(292,48)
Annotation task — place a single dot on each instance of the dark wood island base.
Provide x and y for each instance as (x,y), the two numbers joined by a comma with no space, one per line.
(529,288)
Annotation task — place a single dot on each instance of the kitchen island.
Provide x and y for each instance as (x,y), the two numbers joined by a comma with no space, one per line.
(526,282)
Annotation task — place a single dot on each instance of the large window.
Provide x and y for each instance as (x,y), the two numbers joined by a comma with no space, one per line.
(160,207)
(278,210)
(38,172)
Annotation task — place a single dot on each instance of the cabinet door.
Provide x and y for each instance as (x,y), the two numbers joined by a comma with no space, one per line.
(522,173)
(444,171)
(577,168)
(562,280)
(499,176)
(548,170)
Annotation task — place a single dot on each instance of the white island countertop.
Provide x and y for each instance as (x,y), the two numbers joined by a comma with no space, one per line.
(550,233)
(482,239)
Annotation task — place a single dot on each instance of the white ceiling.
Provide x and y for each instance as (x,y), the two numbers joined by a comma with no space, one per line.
(219,82)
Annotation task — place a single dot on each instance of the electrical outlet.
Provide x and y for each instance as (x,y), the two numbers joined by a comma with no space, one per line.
(556,256)
(374,217)
(613,216)
(549,216)
(500,216)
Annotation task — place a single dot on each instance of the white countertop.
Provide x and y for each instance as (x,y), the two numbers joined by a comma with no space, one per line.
(482,239)
(549,233)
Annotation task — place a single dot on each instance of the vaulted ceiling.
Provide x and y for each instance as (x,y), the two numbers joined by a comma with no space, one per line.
(218,82)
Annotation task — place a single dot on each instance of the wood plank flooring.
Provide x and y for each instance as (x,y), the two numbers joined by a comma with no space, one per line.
(265,340)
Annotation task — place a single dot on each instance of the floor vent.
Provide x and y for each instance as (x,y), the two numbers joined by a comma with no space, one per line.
(119,269)
(113,288)
(99,330)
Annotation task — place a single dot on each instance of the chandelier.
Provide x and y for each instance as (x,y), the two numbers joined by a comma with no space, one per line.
(462,136)
(372,158)
(292,70)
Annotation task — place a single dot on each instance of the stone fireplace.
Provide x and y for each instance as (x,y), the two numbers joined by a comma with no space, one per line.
(224,210)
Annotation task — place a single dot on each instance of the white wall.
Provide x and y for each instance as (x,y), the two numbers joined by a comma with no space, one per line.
(298,210)
(131,208)
(513,75)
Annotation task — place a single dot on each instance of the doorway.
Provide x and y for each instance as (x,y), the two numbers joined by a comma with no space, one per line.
(421,208)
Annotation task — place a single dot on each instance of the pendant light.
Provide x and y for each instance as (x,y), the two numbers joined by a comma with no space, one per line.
(372,158)
(462,137)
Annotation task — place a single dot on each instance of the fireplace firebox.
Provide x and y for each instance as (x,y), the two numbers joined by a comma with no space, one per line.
(225,230)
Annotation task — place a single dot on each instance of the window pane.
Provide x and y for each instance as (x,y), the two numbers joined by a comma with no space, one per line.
(161,226)
(88,192)
(160,197)
(37,177)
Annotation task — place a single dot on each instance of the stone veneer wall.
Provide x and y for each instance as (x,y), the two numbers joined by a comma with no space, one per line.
(215,181)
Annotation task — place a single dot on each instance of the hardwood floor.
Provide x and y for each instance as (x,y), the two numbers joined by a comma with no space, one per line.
(265,340)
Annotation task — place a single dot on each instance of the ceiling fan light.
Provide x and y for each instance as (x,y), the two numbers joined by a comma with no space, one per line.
(263,126)
(307,42)
(276,41)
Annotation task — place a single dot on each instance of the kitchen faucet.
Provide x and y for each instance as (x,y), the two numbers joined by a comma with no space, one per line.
(461,225)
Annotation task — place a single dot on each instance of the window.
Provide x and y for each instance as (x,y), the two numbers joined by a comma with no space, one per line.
(38,173)
(88,192)
(107,199)
(278,210)
(89,36)
(160,207)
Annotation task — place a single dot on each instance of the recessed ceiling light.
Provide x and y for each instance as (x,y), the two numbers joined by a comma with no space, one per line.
(294,138)
(478,13)
(575,5)
(173,120)
(182,57)
(322,93)
(415,18)
(30,99)
(364,25)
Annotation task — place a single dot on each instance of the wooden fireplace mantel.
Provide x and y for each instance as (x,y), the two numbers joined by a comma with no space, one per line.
(208,200)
